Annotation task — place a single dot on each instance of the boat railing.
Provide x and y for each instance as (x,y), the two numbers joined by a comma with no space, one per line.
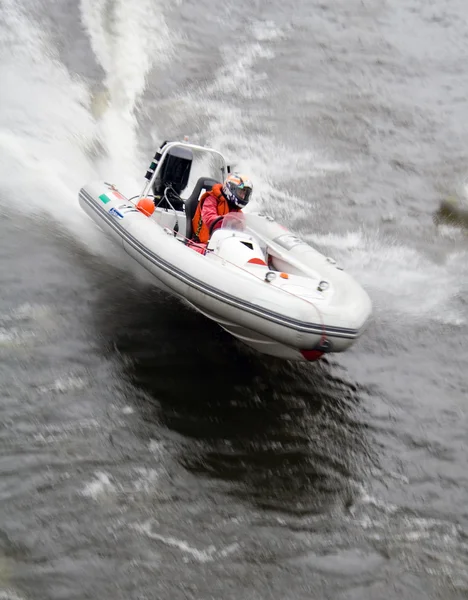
(158,162)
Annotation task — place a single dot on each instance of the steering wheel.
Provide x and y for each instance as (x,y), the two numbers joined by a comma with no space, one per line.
(215,222)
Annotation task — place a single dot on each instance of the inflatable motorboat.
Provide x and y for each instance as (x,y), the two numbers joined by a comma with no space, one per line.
(255,278)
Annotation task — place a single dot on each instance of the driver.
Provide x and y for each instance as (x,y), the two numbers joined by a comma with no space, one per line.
(232,196)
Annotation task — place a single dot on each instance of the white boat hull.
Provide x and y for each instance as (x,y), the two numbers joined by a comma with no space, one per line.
(268,318)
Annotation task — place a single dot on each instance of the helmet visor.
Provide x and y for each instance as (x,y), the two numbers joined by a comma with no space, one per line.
(242,194)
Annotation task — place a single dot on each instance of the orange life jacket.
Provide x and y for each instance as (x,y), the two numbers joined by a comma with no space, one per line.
(201,233)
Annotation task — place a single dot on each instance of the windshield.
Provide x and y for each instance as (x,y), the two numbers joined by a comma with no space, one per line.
(234,221)
(263,228)
(245,223)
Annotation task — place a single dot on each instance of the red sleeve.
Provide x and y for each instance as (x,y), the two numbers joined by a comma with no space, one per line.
(209,211)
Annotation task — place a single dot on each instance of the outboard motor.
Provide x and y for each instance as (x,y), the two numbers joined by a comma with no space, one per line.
(173,176)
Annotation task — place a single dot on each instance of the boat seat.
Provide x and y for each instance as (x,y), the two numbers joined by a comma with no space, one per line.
(203,184)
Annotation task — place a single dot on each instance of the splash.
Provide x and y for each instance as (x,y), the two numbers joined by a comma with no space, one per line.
(209,554)
(401,279)
(44,124)
(48,133)
(126,50)
(230,128)
(99,487)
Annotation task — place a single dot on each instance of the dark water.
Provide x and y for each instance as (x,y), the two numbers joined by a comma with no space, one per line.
(144,453)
